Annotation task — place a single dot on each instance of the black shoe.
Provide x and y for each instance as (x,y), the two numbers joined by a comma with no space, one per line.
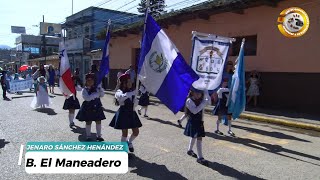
(218,132)
(131,149)
(88,139)
(100,139)
(179,124)
(71,124)
(146,116)
(139,111)
(191,153)
(202,161)
(231,133)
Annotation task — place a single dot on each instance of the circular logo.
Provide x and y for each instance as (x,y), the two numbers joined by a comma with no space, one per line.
(157,62)
(294,22)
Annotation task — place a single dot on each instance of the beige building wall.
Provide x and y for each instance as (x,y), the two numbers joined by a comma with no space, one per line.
(275,52)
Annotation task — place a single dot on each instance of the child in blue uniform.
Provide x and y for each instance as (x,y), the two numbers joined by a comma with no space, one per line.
(126,118)
(91,108)
(195,129)
(71,104)
(144,100)
(221,109)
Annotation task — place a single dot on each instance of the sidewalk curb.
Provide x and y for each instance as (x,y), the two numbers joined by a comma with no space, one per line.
(258,118)
(280,121)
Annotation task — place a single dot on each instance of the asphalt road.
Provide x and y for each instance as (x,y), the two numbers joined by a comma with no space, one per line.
(260,151)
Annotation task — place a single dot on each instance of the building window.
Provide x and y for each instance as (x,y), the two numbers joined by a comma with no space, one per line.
(250,46)
(86,30)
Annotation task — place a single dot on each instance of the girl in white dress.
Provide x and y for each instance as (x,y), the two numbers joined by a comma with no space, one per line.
(42,98)
(253,91)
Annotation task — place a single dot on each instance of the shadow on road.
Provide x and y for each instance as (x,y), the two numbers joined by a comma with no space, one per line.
(151,170)
(3,143)
(82,131)
(56,94)
(229,171)
(276,149)
(17,97)
(274,134)
(109,111)
(164,122)
(48,111)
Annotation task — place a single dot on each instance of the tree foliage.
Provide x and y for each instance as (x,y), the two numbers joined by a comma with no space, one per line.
(157,7)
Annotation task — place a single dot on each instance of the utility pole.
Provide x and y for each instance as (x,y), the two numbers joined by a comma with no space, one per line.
(72,8)
(44,50)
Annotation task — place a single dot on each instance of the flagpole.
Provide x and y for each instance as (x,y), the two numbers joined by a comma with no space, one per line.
(144,29)
(194,33)
(242,43)
(108,28)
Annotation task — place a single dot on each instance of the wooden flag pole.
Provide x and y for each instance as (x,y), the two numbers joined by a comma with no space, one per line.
(195,33)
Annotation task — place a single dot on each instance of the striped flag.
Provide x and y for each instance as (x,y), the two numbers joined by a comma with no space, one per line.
(66,84)
(237,95)
(162,69)
(104,64)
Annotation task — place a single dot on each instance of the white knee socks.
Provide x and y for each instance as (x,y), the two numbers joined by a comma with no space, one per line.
(123,139)
(199,148)
(132,137)
(88,130)
(191,144)
(98,128)
(229,124)
(218,123)
(145,110)
(71,117)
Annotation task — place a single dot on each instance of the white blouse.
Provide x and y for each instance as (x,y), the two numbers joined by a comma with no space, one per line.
(92,96)
(196,109)
(121,97)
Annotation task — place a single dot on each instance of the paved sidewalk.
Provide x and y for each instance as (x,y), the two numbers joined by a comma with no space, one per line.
(304,123)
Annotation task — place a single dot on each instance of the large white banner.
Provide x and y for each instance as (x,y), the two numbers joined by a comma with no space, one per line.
(19,85)
(208,60)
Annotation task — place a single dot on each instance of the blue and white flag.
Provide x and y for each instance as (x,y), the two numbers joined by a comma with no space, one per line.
(162,69)
(237,95)
(104,64)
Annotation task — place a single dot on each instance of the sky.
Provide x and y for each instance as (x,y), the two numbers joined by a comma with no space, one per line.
(28,13)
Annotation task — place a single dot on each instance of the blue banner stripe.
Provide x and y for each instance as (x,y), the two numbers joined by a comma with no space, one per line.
(149,35)
(104,64)
(175,87)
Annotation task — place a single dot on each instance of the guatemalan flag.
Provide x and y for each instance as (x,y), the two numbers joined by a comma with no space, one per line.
(237,95)
(162,69)
(65,83)
(104,64)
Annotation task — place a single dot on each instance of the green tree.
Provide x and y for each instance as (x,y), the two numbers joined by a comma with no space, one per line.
(156,7)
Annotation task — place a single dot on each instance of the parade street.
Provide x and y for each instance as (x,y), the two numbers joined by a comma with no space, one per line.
(259,151)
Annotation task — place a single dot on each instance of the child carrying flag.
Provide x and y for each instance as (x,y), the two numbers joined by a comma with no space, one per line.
(91,108)
(126,118)
(195,126)
(221,109)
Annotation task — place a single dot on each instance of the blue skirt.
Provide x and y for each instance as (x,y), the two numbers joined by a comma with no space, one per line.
(194,128)
(70,103)
(220,110)
(144,100)
(125,119)
(51,82)
(91,111)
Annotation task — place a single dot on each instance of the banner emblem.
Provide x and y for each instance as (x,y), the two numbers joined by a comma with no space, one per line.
(157,62)
(210,60)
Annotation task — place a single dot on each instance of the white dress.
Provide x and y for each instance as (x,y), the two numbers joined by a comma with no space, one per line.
(253,88)
(41,99)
